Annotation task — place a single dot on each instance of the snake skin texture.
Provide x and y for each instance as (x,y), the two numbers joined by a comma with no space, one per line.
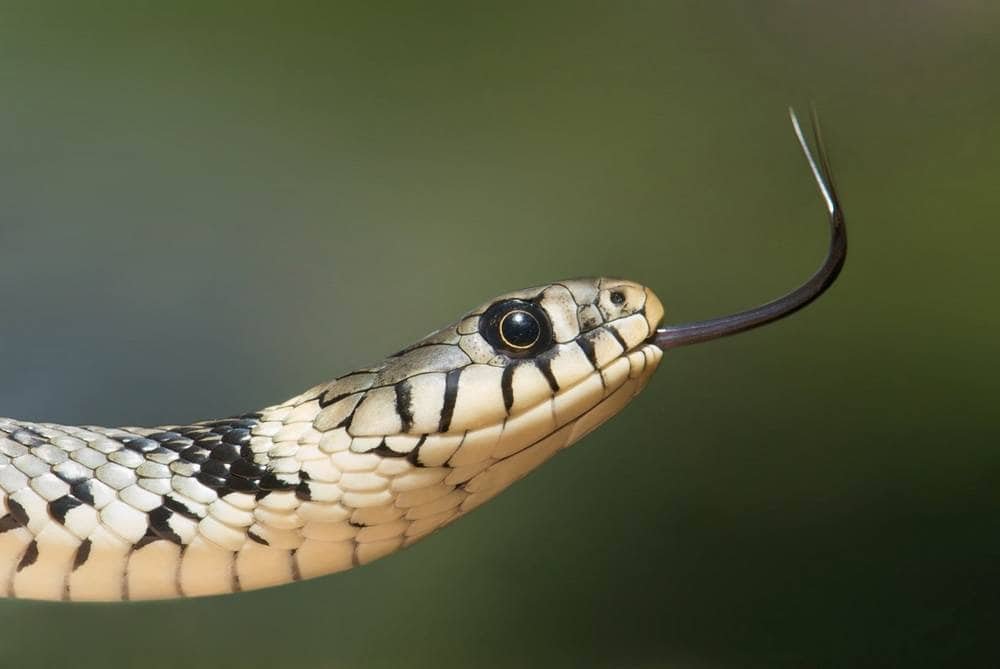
(343,474)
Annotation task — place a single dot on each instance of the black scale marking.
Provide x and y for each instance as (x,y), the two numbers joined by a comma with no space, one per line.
(404,405)
(544,365)
(450,397)
(219,454)
(587,346)
(58,508)
(16,516)
(29,557)
(384,451)
(28,437)
(256,537)
(82,553)
(507,387)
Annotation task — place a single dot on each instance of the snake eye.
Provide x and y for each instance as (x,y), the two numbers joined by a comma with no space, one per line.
(519,329)
(516,327)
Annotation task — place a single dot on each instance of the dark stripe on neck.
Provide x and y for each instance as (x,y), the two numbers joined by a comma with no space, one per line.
(507,386)
(450,396)
(404,405)
(544,365)
(618,337)
(587,346)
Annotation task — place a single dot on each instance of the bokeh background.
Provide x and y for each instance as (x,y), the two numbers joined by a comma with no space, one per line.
(209,206)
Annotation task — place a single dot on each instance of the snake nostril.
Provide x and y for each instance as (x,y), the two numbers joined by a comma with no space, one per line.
(617,298)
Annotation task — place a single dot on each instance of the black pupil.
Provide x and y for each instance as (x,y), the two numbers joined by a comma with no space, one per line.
(519,329)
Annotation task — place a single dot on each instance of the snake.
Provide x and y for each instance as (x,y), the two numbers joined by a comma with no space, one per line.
(352,469)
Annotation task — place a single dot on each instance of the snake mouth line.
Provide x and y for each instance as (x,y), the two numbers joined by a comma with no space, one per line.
(653,357)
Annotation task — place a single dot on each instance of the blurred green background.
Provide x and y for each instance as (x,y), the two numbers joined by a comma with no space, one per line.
(207,207)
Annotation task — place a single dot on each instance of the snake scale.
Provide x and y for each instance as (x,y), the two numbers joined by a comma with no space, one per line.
(350,470)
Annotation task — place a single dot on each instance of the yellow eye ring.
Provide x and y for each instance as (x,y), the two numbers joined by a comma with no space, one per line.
(519,329)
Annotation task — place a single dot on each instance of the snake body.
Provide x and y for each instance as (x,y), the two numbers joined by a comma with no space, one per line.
(340,475)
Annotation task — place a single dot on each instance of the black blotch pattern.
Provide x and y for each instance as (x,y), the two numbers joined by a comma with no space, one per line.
(346,423)
(27,437)
(587,346)
(148,538)
(403,405)
(544,365)
(17,512)
(507,387)
(618,337)
(413,457)
(82,553)
(58,508)
(450,397)
(303,492)
(271,482)
(384,451)
(179,507)
(82,491)
(9,522)
(220,449)
(29,557)
(220,455)
(256,537)
(159,525)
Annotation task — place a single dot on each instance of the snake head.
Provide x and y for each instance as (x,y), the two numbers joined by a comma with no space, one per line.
(513,381)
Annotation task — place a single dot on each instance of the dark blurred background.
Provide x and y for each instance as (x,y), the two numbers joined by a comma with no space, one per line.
(208,207)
